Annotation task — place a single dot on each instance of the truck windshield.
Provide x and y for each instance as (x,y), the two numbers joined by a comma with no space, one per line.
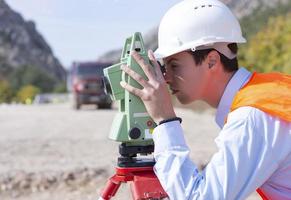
(91,69)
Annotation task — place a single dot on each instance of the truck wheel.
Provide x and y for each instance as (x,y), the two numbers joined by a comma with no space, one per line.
(76,105)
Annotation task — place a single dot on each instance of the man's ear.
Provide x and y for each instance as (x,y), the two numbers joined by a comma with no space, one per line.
(212,59)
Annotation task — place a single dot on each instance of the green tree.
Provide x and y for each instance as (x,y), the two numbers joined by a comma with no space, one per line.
(32,75)
(254,22)
(60,88)
(6,93)
(269,49)
(27,93)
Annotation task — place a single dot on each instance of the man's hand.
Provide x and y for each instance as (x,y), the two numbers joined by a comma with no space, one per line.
(154,94)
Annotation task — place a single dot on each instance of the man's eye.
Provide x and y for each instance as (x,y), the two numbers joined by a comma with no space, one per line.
(174,66)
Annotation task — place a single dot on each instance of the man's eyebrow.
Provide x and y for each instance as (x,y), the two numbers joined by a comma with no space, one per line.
(170,60)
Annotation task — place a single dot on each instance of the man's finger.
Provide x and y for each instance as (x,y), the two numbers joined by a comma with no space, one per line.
(135,76)
(158,71)
(145,66)
(129,88)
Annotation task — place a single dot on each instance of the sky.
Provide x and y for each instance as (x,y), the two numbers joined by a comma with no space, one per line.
(83,30)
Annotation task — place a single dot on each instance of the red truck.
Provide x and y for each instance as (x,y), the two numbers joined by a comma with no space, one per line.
(85,82)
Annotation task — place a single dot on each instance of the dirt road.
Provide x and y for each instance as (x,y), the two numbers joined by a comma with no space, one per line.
(51,152)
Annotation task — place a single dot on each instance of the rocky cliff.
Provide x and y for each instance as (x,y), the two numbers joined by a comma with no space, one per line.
(21,44)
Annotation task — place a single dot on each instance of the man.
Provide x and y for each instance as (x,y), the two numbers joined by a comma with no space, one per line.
(198,44)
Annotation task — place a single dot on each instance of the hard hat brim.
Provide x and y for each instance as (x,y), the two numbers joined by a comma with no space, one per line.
(163,53)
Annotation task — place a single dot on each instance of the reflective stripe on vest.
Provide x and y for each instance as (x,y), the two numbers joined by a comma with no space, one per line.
(270,93)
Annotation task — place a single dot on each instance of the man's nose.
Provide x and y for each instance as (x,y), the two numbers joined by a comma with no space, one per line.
(168,77)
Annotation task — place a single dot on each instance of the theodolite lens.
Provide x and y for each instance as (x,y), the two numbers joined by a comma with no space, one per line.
(106,85)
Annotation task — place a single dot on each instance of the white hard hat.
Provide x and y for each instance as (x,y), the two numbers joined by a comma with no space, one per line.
(192,24)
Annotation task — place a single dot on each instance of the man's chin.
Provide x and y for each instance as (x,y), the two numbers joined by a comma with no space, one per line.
(184,101)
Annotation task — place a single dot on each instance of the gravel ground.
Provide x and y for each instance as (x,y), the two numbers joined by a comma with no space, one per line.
(52,152)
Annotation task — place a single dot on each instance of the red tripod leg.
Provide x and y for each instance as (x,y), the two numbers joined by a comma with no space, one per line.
(111,188)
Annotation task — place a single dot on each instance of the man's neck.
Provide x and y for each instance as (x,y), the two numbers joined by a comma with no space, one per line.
(217,88)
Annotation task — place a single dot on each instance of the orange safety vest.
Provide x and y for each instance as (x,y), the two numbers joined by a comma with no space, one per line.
(270,93)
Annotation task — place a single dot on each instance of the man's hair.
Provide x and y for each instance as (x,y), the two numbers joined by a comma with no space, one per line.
(229,65)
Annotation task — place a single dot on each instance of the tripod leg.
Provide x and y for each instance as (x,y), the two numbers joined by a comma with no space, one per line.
(146,185)
(110,189)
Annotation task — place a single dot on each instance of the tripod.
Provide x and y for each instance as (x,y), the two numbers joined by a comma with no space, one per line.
(144,183)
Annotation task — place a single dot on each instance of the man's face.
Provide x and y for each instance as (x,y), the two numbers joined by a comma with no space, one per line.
(187,81)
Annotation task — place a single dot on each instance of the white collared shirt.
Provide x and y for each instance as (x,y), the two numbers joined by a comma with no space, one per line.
(239,79)
(254,150)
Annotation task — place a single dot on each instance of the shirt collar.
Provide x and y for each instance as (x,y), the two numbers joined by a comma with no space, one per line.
(238,80)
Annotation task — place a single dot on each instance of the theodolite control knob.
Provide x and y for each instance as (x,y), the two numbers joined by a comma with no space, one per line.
(134,133)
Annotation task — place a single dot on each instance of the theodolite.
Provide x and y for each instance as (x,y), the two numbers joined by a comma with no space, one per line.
(132,126)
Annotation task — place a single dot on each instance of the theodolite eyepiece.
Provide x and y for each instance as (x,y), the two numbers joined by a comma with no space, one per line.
(106,85)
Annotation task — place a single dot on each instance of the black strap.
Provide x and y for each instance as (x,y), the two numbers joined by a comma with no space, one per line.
(170,120)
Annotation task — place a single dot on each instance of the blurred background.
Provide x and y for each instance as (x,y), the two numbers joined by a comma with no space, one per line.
(54,114)
(41,40)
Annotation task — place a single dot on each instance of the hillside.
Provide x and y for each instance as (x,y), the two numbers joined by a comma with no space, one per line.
(21,45)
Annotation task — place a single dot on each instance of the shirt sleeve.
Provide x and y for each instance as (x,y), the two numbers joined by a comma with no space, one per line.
(241,165)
